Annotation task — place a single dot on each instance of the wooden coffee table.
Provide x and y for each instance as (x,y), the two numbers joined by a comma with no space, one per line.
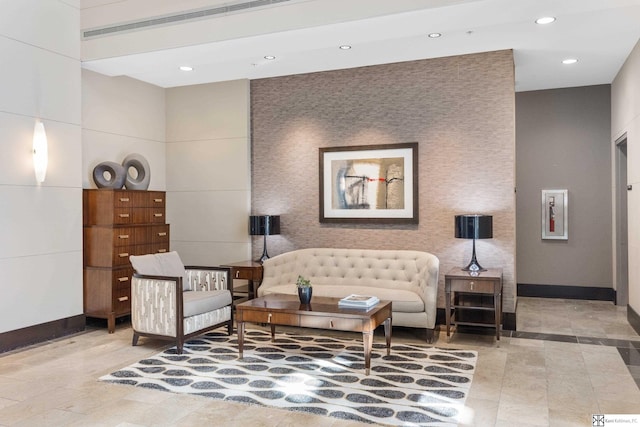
(322,313)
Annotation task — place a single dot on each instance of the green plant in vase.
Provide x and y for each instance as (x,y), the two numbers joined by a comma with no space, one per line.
(304,289)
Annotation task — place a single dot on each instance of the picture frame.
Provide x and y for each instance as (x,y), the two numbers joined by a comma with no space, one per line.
(555,214)
(369,184)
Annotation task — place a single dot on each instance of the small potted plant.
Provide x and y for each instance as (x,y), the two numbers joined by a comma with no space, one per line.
(304,289)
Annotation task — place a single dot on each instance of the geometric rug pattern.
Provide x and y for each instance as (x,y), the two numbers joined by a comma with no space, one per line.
(415,385)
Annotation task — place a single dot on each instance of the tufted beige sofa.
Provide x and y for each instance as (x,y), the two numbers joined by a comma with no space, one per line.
(409,279)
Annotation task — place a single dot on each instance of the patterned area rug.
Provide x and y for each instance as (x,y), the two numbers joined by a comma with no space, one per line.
(415,385)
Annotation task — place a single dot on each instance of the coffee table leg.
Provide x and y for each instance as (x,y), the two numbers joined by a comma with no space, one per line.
(367,341)
(240,338)
(387,334)
(273,332)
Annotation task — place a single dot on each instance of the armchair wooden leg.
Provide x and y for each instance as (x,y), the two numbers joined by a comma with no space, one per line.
(134,341)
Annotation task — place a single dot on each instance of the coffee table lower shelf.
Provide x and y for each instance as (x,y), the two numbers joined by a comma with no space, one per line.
(321,313)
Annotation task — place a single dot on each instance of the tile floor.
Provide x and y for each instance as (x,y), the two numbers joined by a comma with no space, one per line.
(568,360)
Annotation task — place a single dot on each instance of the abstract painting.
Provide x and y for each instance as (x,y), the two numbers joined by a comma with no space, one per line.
(371,183)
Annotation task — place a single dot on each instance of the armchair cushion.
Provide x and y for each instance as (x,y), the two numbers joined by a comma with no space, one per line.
(165,264)
(195,303)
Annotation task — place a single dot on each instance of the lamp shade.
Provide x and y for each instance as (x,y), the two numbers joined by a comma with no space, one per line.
(474,226)
(264,225)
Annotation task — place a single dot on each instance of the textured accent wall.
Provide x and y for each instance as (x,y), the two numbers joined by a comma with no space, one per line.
(460,110)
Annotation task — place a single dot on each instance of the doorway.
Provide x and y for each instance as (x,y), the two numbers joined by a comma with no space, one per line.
(622,250)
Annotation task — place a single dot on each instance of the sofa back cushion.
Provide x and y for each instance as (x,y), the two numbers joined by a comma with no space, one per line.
(396,269)
(164,264)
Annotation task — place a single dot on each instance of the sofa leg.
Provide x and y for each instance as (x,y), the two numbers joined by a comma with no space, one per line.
(134,341)
(430,335)
(230,328)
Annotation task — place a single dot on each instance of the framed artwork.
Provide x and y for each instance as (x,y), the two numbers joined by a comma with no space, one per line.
(369,184)
(555,214)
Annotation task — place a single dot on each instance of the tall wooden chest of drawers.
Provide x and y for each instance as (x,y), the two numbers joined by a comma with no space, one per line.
(118,223)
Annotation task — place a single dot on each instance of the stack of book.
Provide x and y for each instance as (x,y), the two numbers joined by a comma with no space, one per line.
(358,301)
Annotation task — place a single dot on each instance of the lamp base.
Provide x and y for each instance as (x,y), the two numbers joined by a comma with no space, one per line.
(473,266)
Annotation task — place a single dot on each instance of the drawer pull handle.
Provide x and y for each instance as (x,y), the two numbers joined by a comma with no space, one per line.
(162,234)
(161,251)
(471,285)
(123,279)
(123,215)
(238,275)
(123,255)
(269,318)
(157,200)
(124,199)
(123,236)
(331,323)
(157,215)
(123,299)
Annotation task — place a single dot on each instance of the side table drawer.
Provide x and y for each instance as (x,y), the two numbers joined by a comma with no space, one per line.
(479,286)
(245,273)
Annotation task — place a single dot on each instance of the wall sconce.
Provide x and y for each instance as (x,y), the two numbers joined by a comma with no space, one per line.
(40,151)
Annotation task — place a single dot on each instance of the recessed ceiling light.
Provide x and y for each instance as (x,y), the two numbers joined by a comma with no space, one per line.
(569,61)
(345,47)
(186,68)
(434,35)
(270,57)
(545,20)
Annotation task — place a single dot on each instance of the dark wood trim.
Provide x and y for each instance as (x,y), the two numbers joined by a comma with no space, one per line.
(568,292)
(43,332)
(634,318)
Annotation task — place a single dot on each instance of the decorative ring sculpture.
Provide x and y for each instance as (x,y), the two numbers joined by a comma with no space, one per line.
(140,164)
(117,175)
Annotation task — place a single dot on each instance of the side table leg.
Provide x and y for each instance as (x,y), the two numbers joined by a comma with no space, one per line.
(240,339)
(367,341)
(387,334)
(447,312)
(497,304)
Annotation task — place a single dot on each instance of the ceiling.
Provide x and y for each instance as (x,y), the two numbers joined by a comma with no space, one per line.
(305,35)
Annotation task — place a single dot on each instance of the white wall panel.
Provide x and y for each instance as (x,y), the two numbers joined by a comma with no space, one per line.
(211,253)
(209,111)
(198,216)
(98,147)
(40,220)
(209,165)
(123,106)
(53,25)
(40,289)
(39,83)
(209,172)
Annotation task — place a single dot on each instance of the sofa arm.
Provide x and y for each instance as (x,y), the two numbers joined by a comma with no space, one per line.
(156,303)
(209,278)
(429,289)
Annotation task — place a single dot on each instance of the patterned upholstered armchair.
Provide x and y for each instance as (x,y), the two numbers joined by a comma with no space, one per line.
(169,301)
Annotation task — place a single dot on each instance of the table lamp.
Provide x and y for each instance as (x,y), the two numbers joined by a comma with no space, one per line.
(474,226)
(264,225)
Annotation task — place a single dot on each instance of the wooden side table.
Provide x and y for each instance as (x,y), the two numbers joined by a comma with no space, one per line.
(484,283)
(250,271)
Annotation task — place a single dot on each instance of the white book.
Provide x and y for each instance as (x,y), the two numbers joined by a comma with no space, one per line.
(354,300)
